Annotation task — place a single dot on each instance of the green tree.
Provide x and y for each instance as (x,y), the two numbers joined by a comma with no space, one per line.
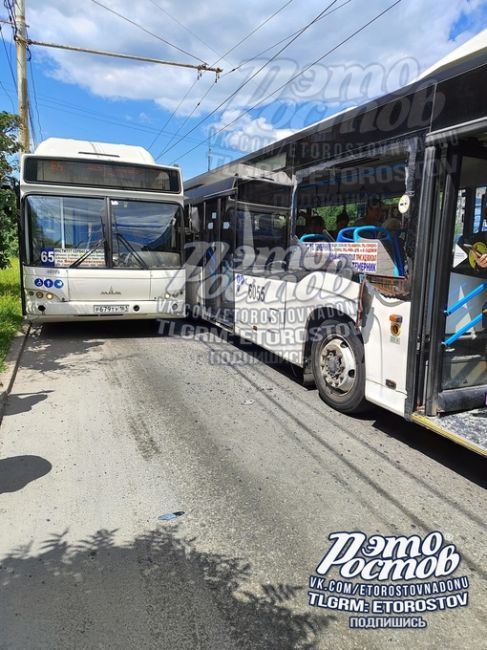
(9,146)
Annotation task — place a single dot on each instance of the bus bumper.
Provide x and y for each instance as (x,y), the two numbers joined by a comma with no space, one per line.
(44,311)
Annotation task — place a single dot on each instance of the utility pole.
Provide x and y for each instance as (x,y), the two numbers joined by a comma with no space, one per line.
(21,45)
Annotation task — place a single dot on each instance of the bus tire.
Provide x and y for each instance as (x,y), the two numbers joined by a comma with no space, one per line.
(338,365)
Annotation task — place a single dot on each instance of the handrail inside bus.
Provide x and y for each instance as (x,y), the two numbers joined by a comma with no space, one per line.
(456,306)
(475,292)
(451,339)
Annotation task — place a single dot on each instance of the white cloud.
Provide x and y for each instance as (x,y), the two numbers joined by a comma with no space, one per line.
(249,134)
(389,53)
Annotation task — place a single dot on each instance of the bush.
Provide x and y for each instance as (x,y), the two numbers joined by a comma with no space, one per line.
(9,146)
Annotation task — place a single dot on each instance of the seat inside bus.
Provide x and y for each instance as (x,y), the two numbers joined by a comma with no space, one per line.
(357,204)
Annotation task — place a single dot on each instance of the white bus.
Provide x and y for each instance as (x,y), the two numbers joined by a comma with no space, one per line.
(394,312)
(101,233)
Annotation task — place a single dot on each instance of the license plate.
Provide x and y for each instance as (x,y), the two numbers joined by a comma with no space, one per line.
(111,309)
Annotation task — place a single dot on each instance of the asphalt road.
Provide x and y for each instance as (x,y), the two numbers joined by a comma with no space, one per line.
(110,426)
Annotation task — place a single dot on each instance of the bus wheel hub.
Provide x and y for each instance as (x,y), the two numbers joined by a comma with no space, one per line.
(338,365)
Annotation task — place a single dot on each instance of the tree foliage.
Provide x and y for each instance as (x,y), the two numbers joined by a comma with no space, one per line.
(9,146)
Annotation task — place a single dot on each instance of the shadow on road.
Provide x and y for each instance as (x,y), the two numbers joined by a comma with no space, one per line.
(91,330)
(23,402)
(457,458)
(159,591)
(242,352)
(442,450)
(55,347)
(18,471)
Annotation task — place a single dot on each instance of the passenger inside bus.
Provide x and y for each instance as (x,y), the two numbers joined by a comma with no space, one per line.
(351,198)
(342,221)
(373,213)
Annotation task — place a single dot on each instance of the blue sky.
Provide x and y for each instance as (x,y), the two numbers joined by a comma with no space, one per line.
(170,112)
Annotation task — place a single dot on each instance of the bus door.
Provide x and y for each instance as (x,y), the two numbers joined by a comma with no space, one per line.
(219,235)
(457,370)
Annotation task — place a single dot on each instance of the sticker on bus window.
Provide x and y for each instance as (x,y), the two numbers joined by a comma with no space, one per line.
(47,256)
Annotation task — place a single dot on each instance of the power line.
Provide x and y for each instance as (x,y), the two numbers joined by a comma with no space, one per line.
(7,54)
(267,97)
(32,128)
(32,76)
(156,137)
(73,109)
(159,38)
(186,120)
(178,22)
(271,47)
(252,76)
(7,92)
(188,117)
(234,47)
(11,14)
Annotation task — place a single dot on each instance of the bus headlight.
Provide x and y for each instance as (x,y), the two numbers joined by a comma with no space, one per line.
(49,296)
(39,294)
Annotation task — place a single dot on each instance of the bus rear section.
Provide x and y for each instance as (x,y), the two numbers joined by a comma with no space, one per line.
(102,234)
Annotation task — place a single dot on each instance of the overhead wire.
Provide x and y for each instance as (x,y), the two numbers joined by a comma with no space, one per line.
(185,27)
(11,14)
(7,92)
(9,62)
(74,109)
(252,76)
(32,77)
(256,29)
(147,31)
(7,54)
(186,120)
(299,74)
(183,98)
(271,47)
(164,126)
(210,88)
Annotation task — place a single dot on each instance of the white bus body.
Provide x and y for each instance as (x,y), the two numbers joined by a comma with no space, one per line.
(102,233)
(393,313)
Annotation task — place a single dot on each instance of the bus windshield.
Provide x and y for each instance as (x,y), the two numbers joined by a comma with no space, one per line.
(145,234)
(65,231)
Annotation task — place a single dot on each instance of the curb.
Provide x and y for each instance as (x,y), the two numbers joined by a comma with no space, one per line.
(7,377)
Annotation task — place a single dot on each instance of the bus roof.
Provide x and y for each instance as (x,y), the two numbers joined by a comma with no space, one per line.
(65,148)
(468,50)
(468,57)
(234,170)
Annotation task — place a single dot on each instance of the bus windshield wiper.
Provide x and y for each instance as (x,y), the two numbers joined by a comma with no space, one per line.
(129,246)
(81,259)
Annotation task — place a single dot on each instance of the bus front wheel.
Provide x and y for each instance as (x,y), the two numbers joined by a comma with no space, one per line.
(337,357)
